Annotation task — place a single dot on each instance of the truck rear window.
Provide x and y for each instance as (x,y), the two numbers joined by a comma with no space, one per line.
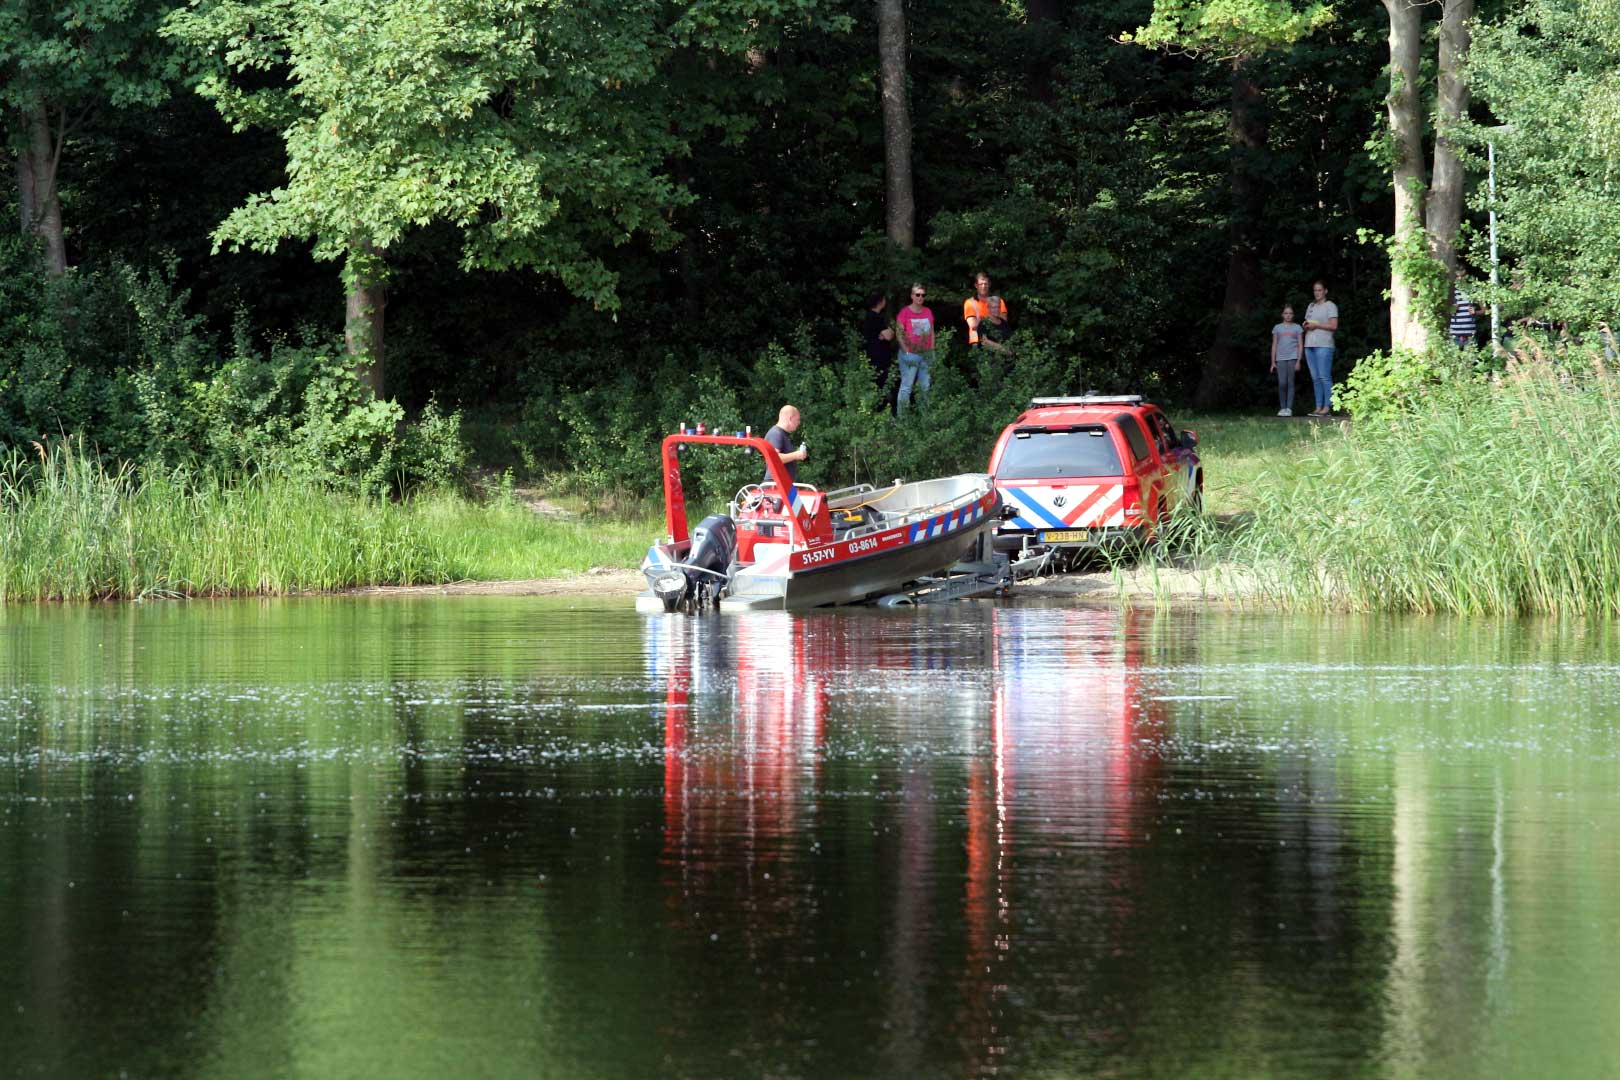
(1034,455)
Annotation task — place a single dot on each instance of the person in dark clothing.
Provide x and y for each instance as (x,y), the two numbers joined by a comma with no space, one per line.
(993,328)
(878,337)
(787,422)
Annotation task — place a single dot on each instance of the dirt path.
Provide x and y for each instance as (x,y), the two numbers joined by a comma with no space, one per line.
(1139,585)
(598,581)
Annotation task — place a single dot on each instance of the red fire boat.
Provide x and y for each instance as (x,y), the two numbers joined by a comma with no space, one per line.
(783,545)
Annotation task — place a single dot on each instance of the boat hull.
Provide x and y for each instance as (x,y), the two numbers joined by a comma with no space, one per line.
(859,579)
(934,525)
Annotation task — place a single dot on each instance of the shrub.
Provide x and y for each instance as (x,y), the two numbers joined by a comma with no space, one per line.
(1386,385)
(114,357)
(63,344)
(432,452)
(604,438)
(608,430)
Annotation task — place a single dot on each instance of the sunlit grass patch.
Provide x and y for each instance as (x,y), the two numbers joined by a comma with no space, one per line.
(1238,452)
(506,540)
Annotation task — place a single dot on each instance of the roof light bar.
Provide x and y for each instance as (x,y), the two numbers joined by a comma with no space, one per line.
(1089,399)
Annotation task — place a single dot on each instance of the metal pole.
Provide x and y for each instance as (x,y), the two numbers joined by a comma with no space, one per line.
(1496,309)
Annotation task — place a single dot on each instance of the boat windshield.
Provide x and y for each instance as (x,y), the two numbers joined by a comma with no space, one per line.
(1035,455)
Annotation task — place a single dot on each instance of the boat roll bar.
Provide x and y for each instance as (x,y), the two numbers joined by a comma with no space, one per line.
(675,494)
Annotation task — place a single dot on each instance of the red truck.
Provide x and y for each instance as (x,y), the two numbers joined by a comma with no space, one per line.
(1092,472)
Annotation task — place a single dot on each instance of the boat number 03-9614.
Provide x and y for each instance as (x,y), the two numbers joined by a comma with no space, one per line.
(854,547)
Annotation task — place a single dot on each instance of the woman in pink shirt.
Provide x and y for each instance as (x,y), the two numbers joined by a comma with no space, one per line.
(915,323)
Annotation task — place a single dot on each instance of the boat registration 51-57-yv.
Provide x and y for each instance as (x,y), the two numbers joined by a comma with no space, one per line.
(783,545)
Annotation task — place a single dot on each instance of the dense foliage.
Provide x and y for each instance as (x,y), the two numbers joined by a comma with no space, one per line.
(113,354)
(1550,74)
(598,220)
(1086,175)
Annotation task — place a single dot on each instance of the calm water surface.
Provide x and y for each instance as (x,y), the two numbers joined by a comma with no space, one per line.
(513,837)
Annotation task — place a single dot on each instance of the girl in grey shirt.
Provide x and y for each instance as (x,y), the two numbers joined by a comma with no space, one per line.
(1286,341)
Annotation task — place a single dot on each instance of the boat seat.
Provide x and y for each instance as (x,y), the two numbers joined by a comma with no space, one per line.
(858,517)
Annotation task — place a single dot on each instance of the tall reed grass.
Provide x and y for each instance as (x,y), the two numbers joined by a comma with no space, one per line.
(73,527)
(1497,498)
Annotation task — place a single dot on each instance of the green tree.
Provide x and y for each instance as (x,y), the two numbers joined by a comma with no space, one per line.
(1237,33)
(1428,204)
(59,64)
(540,131)
(1550,74)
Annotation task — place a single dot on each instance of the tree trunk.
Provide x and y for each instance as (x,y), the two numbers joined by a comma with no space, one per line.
(1406,128)
(365,282)
(46,217)
(900,201)
(25,190)
(1444,210)
(1229,356)
(1046,17)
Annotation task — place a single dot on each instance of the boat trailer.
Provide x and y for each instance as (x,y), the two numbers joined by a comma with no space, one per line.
(988,573)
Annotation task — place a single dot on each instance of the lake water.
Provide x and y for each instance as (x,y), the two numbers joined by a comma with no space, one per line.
(516,837)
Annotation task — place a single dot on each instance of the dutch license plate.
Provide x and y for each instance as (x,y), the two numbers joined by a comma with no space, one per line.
(1064,536)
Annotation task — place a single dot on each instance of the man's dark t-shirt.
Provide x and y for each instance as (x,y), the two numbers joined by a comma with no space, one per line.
(880,352)
(784,445)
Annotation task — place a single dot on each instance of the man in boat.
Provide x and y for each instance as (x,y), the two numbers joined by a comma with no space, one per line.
(787,422)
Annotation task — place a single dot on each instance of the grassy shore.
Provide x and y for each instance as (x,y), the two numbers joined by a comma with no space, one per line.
(1482,498)
(73,528)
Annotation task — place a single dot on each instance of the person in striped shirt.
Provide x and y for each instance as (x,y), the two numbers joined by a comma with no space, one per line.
(1463,325)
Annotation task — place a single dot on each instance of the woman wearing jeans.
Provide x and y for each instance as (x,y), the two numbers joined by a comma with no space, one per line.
(916,325)
(1321,320)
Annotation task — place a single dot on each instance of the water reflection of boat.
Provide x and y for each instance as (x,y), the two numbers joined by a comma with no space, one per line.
(755,750)
(783,545)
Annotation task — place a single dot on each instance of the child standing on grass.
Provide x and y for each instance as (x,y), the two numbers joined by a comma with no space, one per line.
(1287,337)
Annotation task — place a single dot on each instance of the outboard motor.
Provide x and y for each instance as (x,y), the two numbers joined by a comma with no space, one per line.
(707,567)
(714,542)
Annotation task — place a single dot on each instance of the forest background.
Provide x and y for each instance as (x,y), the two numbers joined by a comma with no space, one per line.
(589,222)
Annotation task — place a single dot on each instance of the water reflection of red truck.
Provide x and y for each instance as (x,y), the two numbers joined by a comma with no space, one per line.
(1072,760)
(1029,720)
